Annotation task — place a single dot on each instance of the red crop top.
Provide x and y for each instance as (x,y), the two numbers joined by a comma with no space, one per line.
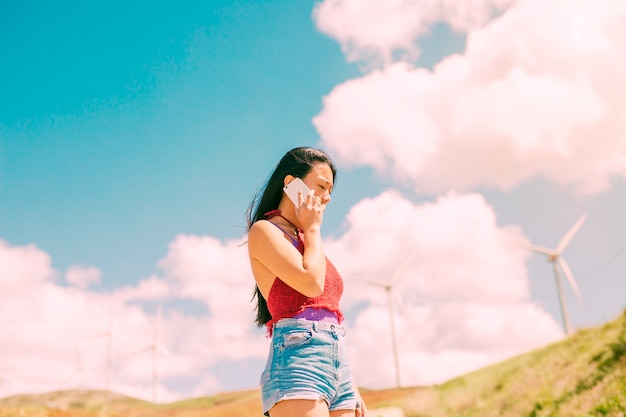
(285,302)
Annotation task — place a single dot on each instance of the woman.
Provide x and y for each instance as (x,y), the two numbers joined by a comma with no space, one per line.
(298,291)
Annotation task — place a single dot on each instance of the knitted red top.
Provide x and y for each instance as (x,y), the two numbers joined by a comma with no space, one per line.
(285,302)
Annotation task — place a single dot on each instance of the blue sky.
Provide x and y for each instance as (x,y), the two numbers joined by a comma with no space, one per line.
(126,126)
(131,123)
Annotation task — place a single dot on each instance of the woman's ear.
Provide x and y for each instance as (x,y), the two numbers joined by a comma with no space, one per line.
(288,179)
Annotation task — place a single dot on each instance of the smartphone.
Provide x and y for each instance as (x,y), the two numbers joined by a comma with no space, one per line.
(293,188)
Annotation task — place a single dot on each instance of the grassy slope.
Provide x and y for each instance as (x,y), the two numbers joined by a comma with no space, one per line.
(584,375)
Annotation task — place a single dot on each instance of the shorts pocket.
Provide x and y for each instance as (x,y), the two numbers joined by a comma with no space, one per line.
(296,338)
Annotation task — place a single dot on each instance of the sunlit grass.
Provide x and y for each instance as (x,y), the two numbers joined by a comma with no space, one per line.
(578,376)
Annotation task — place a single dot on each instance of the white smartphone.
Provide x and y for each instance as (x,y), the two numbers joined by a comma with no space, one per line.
(292,189)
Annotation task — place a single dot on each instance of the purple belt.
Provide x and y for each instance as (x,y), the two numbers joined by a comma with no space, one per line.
(317,314)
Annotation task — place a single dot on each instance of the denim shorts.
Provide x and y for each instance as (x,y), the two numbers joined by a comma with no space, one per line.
(308,361)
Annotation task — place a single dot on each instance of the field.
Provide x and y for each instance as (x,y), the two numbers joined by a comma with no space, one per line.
(583,375)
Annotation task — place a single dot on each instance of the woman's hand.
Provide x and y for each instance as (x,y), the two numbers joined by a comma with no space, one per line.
(310,211)
(361,408)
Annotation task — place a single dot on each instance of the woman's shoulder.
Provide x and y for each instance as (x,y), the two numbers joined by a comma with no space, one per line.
(264,234)
(262,228)
(260,225)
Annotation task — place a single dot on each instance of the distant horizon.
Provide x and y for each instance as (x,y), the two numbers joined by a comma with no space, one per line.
(133,137)
(255,389)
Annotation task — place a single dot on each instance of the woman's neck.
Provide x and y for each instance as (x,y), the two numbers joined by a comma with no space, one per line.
(288,212)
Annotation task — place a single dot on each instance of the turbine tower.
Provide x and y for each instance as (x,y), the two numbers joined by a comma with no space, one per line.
(108,334)
(393,298)
(78,369)
(154,348)
(556,259)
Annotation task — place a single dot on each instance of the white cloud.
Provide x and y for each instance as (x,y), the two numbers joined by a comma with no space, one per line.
(446,240)
(152,288)
(465,292)
(539,90)
(23,266)
(378,30)
(465,288)
(44,324)
(83,277)
(215,273)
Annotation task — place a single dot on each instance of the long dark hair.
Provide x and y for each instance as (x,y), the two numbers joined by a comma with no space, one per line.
(297,162)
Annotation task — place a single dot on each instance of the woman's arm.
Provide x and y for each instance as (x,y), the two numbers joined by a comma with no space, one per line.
(270,251)
(269,248)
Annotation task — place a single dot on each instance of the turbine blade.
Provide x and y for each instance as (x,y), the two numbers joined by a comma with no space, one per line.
(570,234)
(399,303)
(570,278)
(164,350)
(542,249)
(377,283)
(410,319)
(398,274)
(157,325)
(138,351)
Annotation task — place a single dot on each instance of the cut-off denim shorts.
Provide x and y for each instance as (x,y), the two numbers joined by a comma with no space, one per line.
(308,361)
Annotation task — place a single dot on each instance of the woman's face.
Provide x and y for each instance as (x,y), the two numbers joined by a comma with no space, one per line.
(320,180)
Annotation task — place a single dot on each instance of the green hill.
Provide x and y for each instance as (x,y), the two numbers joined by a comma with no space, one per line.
(582,375)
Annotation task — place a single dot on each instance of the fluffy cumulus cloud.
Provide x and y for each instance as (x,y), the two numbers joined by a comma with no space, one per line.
(462,286)
(218,275)
(539,91)
(379,30)
(23,266)
(83,277)
(195,310)
(460,289)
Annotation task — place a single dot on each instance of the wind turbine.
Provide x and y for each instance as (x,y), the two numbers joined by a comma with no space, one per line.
(108,334)
(154,348)
(556,259)
(392,297)
(78,370)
